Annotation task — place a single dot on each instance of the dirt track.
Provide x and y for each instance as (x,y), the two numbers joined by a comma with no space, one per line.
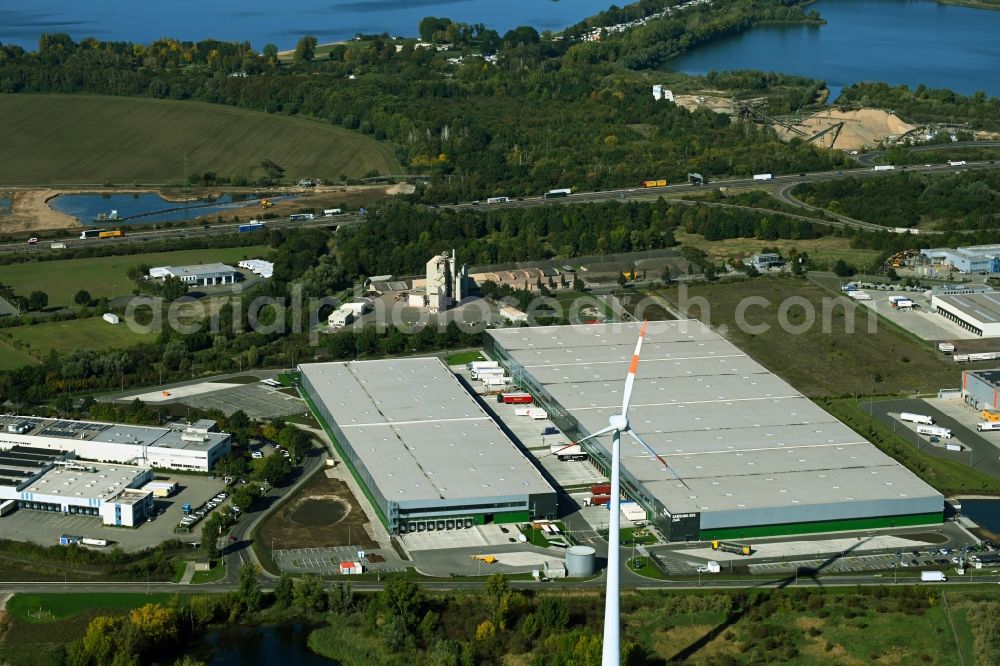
(29,211)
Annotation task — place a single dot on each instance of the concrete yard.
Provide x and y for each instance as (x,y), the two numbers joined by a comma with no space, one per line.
(922,321)
(326,561)
(800,549)
(173,394)
(45,528)
(473,537)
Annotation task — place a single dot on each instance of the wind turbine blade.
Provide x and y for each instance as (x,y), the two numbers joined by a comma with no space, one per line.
(604,431)
(633,366)
(634,435)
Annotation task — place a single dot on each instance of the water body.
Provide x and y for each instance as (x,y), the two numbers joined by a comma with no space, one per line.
(985,512)
(153,207)
(897,41)
(261,22)
(263,646)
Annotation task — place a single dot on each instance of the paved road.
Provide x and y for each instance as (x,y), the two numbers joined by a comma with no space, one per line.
(869,158)
(623,194)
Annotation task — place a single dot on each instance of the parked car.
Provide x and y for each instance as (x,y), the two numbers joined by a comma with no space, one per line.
(257,455)
(32,241)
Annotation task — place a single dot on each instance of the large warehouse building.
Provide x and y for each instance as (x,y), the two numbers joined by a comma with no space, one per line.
(427,454)
(971,259)
(195,447)
(981,389)
(976,312)
(758,458)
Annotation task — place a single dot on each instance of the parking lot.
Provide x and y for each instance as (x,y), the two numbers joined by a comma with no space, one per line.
(257,400)
(326,561)
(479,535)
(45,528)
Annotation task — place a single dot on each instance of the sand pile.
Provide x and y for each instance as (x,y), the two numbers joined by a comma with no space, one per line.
(864,127)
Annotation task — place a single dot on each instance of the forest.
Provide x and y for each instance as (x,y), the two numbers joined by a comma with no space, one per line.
(954,201)
(927,105)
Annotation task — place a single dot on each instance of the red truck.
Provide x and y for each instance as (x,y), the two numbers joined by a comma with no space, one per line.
(515,398)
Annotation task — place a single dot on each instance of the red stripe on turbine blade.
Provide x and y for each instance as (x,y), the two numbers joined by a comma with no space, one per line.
(642,331)
(634,365)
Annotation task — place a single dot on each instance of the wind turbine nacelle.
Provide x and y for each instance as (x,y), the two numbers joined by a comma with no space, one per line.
(619,422)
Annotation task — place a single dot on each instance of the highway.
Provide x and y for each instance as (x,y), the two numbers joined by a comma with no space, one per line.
(784,182)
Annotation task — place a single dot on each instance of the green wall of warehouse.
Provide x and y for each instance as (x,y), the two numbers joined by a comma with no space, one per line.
(821,526)
(512,517)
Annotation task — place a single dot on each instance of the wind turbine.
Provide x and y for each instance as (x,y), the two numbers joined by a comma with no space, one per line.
(618,424)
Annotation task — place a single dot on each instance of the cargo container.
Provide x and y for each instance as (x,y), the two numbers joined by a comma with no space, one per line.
(351,568)
(946,347)
(934,431)
(111,318)
(161,488)
(763,176)
(601,489)
(988,425)
(932,577)
(597,500)
(884,167)
(58,246)
(515,398)
(494,381)
(330,212)
(654,183)
(87,541)
(486,372)
(522,411)
(476,365)
(713,566)
(916,418)
(953,447)
(538,414)
(632,511)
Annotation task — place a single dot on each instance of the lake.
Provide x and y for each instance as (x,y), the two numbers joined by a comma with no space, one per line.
(263,646)
(152,207)
(280,23)
(897,41)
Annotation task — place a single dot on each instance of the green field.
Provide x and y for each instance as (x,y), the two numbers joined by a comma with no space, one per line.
(820,360)
(91,139)
(54,607)
(11,358)
(105,276)
(65,336)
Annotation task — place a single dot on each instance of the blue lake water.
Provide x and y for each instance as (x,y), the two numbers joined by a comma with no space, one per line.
(986,513)
(86,207)
(280,23)
(263,646)
(897,41)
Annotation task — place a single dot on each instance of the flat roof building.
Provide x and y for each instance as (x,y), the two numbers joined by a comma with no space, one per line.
(971,259)
(200,275)
(427,453)
(51,480)
(981,389)
(975,312)
(758,457)
(179,446)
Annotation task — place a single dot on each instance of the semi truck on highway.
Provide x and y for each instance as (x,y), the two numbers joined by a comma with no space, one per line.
(117,233)
(934,431)
(654,183)
(916,418)
(496,200)
(956,162)
(933,577)
(884,167)
(90,233)
(252,225)
(555,194)
(763,176)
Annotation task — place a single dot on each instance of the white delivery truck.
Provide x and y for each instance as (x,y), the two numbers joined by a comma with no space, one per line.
(953,447)
(763,176)
(884,167)
(934,431)
(932,577)
(916,418)
(988,425)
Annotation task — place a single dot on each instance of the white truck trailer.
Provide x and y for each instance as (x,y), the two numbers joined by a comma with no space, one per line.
(916,418)
(984,426)
(932,577)
(884,167)
(476,365)
(763,176)
(934,431)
